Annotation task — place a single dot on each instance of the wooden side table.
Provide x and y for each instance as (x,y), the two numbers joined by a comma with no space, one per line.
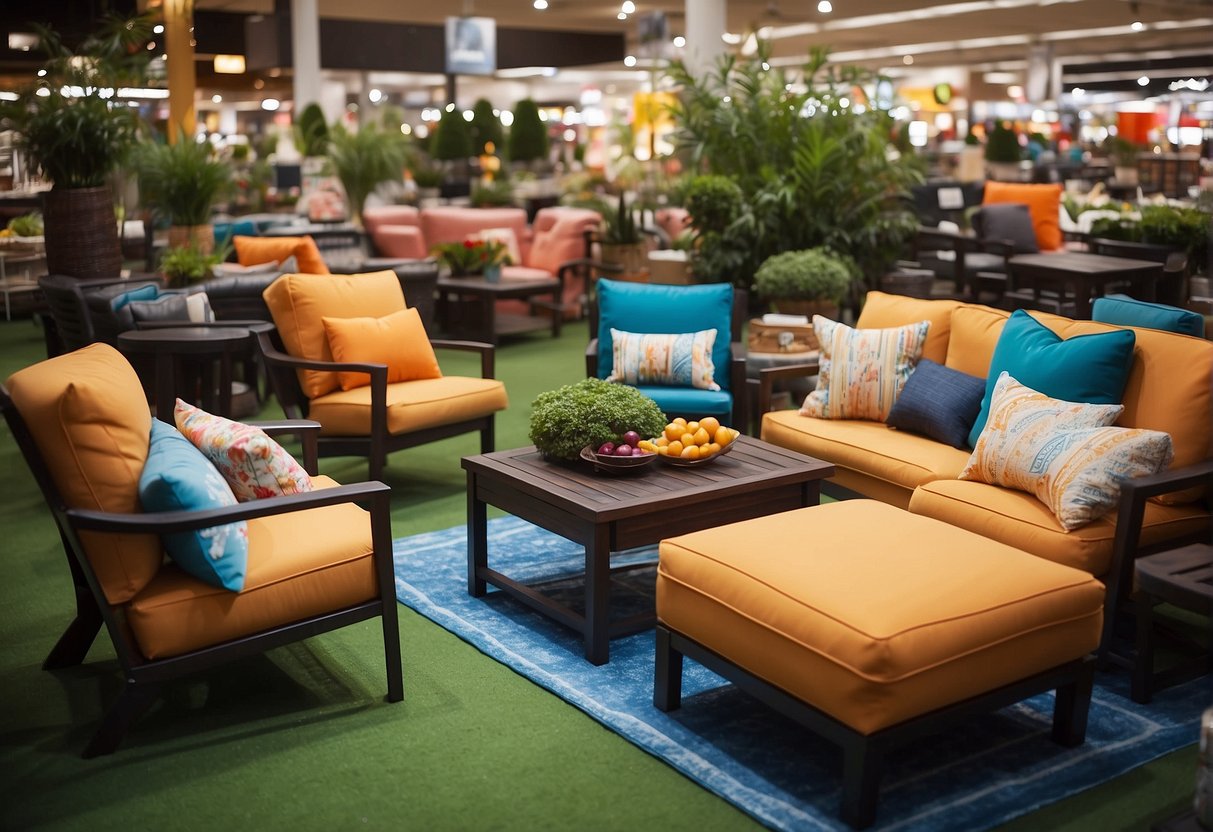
(1183,577)
(170,345)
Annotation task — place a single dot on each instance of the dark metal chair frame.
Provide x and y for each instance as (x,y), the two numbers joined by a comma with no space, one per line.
(378,443)
(143,678)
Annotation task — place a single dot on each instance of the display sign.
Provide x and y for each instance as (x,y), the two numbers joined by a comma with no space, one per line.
(471,45)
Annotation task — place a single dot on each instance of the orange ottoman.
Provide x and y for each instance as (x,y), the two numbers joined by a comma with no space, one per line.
(871,625)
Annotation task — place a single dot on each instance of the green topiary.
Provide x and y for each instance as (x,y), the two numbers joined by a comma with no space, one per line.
(311,131)
(713,202)
(590,412)
(528,134)
(453,140)
(485,128)
(808,274)
(1003,144)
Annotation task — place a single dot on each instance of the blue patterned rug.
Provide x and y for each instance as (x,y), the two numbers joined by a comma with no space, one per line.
(999,766)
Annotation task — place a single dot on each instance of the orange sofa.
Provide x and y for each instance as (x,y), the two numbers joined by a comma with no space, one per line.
(1168,389)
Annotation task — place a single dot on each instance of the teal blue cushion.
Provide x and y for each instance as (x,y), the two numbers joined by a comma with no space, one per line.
(665,308)
(689,402)
(147,292)
(177,477)
(1122,310)
(1086,368)
(225,231)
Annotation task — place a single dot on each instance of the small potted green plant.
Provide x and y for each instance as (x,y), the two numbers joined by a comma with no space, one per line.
(1003,153)
(1124,158)
(590,412)
(810,281)
(183,265)
(180,182)
(473,257)
(622,242)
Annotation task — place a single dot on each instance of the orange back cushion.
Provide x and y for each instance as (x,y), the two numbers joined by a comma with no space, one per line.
(89,418)
(252,251)
(397,340)
(299,302)
(885,311)
(1043,201)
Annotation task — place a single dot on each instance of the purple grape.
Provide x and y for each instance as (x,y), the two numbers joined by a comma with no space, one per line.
(632,438)
(606,448)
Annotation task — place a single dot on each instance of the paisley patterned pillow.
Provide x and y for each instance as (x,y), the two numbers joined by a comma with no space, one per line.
(1063,452)
(682,359)
(862,371)
(253,464)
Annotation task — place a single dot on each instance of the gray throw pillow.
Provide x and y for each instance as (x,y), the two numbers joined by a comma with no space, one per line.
(1007,221)
(167,307)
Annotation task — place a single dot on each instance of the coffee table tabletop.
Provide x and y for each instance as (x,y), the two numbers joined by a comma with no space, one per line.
(1084,273)
(607,513)
(483,294)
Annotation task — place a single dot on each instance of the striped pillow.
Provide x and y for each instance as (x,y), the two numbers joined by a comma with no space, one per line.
(1062,452)
(862,370)
(682,359)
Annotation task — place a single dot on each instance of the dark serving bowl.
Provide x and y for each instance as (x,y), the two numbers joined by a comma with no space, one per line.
(611,464)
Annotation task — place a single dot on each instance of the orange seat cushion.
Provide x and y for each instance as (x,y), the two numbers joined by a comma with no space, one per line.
(1043,201)
(411,405)
(871,614)
(1027,523)
(299,302)
(89,417)
(869,457)
(397,340)
(252,251)
(300,565)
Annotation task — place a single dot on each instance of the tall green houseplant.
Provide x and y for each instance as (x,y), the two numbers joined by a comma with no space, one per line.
(485,128)
(453,141)
(364,159)
(78,140)
(180,182)
(528,134)
(312,131)
(813,169)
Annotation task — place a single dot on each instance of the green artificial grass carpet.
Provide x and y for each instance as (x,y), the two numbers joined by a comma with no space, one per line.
(301,738)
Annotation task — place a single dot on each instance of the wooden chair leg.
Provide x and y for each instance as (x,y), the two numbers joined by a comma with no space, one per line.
(1071,707)
(391,650)
(1143,659)
(667,678)
(488,441)
(73,645)
(862,767)
(134,700)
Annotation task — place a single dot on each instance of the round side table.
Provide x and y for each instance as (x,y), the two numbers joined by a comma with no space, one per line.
(209,345)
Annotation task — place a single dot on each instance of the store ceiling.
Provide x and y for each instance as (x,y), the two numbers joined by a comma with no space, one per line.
(876,33)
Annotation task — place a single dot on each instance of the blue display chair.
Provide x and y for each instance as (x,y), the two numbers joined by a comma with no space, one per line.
(663,308)
(1122,310)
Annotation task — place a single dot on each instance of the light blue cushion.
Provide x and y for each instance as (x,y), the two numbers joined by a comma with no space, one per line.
(147,292)
(1086,368)
(177,477)
(689,402)
(665,308)
(1122,310)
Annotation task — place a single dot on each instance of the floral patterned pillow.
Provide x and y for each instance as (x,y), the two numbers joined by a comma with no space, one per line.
(253,464)
(681,359)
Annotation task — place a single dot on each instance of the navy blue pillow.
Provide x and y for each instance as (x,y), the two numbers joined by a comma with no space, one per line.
(939,402)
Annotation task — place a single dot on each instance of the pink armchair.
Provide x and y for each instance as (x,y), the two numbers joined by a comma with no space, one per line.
(395,231)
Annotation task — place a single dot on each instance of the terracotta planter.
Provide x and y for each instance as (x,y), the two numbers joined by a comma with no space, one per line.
(81,233)
(808,308)
(201,237)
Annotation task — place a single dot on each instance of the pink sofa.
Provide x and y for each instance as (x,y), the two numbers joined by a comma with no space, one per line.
(556,238)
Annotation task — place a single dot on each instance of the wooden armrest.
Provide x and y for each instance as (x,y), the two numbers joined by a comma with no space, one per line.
(769,375)
(308,432)
(165,522)
(1003,248)
(488,353)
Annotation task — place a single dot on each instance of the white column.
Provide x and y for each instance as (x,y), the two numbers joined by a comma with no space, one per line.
(706,22)
(1040,84)
(305,48)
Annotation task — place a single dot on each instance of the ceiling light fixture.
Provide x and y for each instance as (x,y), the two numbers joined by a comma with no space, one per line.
(540,5)
(630,60)
(1137,26)
(1143,81)
(271,104)
(216,99)
(627,7)
(825,7)
(907,60)
(680,41)
(158,28)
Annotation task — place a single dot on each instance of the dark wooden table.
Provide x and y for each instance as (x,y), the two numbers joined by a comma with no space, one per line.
(1183,577)
(608,513)
(1084,274)
(208,345)
(467,306)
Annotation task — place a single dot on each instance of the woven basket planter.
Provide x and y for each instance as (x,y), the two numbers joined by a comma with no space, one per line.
(81,233)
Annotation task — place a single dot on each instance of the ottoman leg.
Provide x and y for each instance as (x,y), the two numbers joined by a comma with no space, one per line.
(1072,704)
(667,678)
(862,764)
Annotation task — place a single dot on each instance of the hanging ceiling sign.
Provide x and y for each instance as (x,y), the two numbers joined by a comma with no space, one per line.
(471,45)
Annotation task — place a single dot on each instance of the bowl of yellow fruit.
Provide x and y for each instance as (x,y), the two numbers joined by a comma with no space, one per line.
(692,443)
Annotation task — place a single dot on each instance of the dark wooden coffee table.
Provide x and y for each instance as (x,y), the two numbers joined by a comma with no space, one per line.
(467,306)
(608,513)
(206,344)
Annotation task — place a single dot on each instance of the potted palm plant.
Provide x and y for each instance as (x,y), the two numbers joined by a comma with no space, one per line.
(180,182)
(364,159)
(622,242)
(70,127)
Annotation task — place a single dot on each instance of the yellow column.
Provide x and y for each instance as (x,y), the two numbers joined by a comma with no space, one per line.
(179,47)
